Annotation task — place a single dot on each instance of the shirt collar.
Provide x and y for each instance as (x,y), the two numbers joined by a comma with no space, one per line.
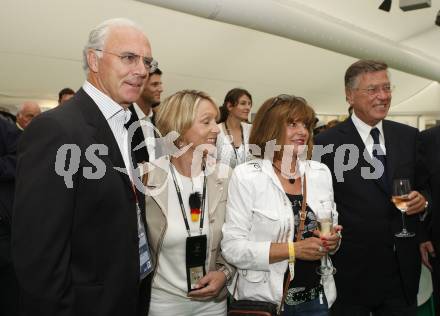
(106,105)
(363,128)
(141,115)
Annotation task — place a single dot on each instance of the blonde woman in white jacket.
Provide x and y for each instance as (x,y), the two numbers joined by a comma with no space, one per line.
(262,214)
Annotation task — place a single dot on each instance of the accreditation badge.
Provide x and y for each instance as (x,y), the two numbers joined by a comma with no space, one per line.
(195,260)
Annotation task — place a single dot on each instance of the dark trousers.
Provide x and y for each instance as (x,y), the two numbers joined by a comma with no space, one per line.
(145,295)
(389,307)
(8,281)
(435,262)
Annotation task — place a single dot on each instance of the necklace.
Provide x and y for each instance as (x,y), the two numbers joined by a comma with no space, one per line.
(289,178)
(232,142)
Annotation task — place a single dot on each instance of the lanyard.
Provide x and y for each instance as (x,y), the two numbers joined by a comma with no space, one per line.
(182,206)
(232,143)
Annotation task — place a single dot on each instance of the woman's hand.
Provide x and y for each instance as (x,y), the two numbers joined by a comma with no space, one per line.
(310,249)
(331,242)
(209,286)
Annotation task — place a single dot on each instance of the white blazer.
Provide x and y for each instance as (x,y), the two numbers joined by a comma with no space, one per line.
(225,150)
(258,212)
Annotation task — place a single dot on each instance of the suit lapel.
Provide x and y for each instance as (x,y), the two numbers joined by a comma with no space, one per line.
(352,137)
(101,131)
(215,191)
(157,184)
(392,144)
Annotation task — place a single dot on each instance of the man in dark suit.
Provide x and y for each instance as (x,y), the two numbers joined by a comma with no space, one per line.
(430,171)
(78,232)
(142,116)
(9,135)
(377,272)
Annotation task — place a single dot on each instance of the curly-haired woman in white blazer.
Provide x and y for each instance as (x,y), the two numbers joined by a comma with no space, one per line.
(262,214)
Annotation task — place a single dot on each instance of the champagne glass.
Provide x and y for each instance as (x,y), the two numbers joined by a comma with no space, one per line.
(401,189)
(325,227)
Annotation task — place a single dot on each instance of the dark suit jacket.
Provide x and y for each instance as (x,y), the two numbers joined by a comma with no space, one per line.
(75,250)
(9,135)
(430,171)
(366,259)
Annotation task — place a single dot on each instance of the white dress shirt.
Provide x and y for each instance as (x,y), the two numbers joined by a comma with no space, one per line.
(364,131)
(226,152)
(116,117)
(146,125)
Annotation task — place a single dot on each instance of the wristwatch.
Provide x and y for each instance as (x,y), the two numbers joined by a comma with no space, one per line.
(227,273)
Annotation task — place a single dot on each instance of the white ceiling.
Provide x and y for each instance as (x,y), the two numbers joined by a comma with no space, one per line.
(41,44)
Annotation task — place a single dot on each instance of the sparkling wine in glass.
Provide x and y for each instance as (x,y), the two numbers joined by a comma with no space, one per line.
(401,189)
(325,227)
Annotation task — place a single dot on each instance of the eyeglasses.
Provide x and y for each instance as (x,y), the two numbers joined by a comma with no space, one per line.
(132,59)
(375,90)
(285,98)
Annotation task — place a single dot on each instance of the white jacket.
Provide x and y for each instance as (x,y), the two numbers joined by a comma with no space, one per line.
(225,150)
(258,212)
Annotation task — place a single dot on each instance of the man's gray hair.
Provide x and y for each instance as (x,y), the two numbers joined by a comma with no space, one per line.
(98,36)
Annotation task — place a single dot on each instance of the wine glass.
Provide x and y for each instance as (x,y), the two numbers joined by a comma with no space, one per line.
(401,189)
(325,227)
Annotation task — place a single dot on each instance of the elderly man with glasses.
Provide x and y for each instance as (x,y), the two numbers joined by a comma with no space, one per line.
(78,241)
(378,266)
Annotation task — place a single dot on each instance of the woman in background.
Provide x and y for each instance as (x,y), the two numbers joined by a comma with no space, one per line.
(185,210)
(262,214)
(233,140)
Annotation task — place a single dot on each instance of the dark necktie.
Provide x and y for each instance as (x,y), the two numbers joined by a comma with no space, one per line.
(379,155)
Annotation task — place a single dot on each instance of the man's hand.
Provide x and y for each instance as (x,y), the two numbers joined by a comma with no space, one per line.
(416,203)
(426,251)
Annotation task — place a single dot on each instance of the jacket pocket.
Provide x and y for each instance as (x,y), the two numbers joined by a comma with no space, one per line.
(265,225)
(265,214)
(253,276)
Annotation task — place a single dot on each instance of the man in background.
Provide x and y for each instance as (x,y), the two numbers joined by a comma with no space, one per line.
(26,113)
(143,116)
(430,174)
(64,95)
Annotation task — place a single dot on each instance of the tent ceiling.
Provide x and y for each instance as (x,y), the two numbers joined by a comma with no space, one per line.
(41,44)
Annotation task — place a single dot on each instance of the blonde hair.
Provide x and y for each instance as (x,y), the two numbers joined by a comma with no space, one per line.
(178,112)
(272,118)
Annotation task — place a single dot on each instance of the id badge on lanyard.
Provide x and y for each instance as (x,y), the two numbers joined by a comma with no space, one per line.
(196,246)
(195,260)
(145,263)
